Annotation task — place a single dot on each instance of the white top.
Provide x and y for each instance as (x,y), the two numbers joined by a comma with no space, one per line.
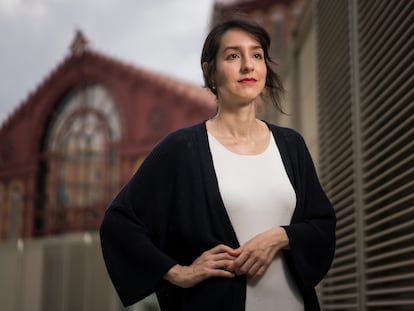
(258,196)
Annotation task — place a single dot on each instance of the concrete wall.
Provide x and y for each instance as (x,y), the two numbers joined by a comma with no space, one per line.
(61,273)
(308,92)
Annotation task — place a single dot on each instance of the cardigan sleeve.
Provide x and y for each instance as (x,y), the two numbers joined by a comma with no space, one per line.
(312,229)
(134,224)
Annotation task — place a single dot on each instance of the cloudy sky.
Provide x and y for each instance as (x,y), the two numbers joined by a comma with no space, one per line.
(162,35)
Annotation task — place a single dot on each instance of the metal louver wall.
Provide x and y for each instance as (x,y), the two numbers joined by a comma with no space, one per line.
(336,159)
(386,50)
(366,127)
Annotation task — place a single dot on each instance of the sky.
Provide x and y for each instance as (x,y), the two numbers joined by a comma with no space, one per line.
(165,36)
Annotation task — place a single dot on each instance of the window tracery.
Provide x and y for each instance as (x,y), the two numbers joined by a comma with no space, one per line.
(80,147)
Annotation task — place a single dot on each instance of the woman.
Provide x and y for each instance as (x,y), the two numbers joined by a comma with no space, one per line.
(227,214)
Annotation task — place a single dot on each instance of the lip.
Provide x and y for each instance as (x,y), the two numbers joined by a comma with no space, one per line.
(247,80)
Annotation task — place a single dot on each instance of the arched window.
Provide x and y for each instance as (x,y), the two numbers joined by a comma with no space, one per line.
(82,162)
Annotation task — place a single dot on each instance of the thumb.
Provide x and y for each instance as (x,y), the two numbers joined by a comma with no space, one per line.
(235,252)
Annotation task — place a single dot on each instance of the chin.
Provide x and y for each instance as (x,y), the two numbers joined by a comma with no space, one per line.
(245,97)
(250,97)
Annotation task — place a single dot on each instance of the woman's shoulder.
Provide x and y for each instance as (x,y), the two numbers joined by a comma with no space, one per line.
(181,137)
(184,134)
(174,145)
(287,133)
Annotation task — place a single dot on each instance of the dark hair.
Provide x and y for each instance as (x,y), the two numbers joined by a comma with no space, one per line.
(273,84)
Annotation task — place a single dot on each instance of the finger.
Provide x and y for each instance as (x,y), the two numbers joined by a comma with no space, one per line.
(261,271)
(253,270)
(222,264)
(237,263)
(221,248)
(208,257)
(222,256)
(245,267)
(240,261)
(235,252)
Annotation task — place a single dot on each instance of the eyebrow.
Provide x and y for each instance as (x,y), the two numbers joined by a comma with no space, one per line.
(255,47)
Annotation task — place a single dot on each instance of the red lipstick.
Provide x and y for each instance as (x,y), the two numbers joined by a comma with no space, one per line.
(247,80)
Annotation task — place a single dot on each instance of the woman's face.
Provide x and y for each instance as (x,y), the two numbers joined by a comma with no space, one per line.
(240,68)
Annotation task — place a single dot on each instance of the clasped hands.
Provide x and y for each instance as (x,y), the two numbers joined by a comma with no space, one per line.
(252,258)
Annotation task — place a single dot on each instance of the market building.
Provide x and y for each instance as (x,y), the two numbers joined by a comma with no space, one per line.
(64,153)
(77,138)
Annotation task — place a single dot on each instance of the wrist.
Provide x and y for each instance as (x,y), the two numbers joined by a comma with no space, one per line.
(174,275)
(282,238)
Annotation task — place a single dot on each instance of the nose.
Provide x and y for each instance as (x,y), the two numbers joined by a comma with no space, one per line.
(247,64)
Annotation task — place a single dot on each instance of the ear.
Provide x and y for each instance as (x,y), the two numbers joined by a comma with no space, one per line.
(204,66)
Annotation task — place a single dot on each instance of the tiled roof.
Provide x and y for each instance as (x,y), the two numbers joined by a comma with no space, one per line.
(170,84)
(194,92)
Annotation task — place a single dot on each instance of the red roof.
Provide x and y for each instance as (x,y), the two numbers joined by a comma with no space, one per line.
(80,52)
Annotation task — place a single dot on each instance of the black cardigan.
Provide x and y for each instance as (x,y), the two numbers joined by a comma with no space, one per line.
(171,211)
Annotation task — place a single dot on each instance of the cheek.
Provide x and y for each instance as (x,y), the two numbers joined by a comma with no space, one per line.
(221,77)
(264,74)
(264,70)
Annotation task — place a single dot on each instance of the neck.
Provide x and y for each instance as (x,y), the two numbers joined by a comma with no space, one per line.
(241,123)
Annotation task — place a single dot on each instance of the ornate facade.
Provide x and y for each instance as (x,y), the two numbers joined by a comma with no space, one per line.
(79,137)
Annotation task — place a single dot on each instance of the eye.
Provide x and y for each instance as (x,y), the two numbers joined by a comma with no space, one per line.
(232,56)
(258,56)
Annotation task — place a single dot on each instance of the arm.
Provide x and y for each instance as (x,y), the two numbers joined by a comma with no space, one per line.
(212,263)
(312,230)
(134,263)
(133,224)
